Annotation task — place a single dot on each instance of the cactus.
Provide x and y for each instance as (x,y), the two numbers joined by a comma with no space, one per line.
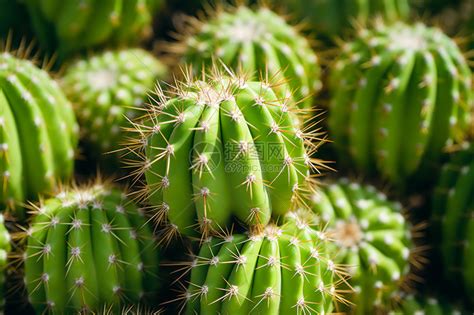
(411,305)
(5,248)
(283,270)
(257,41)
(334,17)
(453,220)
(399,94)
(71,26)
(372,237)
(104,89)
(89,249)
(222,148)
(38,132)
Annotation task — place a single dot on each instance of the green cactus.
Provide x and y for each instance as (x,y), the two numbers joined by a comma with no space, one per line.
(453,219)
(399,94)
(411,305)
(222,148)
(38,131)
(5,248)
(333,17)
(87,249)
(258,42)
(284,270)
(372,237)
(74,25)
(104,89)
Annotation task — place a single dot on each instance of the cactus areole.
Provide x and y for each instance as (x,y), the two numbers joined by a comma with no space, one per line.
(223,148)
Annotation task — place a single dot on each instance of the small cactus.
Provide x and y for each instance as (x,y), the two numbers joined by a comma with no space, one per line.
(222,148)
(399,94)
(89,249)
(5,248)
(373,240)
(414,305)
(71,26)
(104,89)
(284,270)
(38,131)
(453,220)
(258,42)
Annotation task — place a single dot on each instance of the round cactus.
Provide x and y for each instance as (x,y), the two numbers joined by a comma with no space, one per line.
(70,26)
(399,94)
(223,148)
(453,219)
(104,90)
(5,248)
(333,17)
(258,42)
(284,270)
(372,237)
(38,131)
(89,249)
(411,305)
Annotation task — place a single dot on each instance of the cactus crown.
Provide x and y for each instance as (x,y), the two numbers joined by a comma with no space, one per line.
(415,63)
(256,41)
(224,147)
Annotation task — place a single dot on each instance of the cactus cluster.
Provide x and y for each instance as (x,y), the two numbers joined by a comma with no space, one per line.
(107,91)
(372,238)
(399,94)
(89,249)
(282,270)
(38,132)
(257,41)
(71,26)
(453,220)
(222,148)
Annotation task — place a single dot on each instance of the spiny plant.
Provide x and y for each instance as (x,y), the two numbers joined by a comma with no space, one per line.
(453,219)
(87,249)
(104,89)
(282,270)
(416,305)
(5,248)
(257,41)
(372,237)
(223,147)
(334,17)
(399,94)
(38,130)
(70,26)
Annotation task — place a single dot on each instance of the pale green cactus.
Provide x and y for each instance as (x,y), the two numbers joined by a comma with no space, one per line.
(38,132)
(399,94)
(5,248)
(89,249)
(107,91)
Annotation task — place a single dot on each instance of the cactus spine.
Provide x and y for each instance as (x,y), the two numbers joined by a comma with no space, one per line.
(104,89)
(38,131)
(259,42)
(89,249)
(425,102)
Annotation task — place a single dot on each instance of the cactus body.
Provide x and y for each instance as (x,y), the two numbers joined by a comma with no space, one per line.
(220,149)
(38,131)
(71,26)
(333,17)
(89,249)
(5,248)
(372,237)
(453,220)
(399,94)
(104,89)
(260,43)
(411,305)
(284,270)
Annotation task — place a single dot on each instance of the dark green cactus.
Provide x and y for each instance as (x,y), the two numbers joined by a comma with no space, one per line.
(257,41)
(74,25)
(224,148)
(399,94)
(284,270)
(411,305)
(372,237)
(89,249)
(453,219)
(5,248)
(104,89)
(38,131)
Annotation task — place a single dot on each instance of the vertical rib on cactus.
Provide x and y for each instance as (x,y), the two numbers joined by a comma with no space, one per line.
(256,41)
(5,248)
(222,147)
